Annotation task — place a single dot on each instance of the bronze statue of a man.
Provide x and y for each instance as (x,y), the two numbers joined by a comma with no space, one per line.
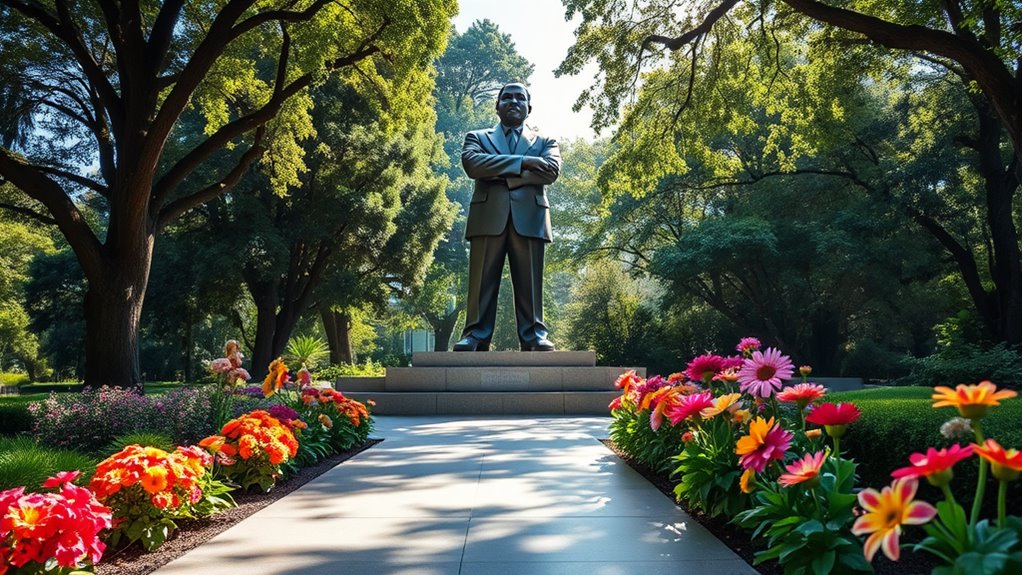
(509,217)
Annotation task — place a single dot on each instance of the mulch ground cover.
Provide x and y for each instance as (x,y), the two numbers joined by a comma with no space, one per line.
(133,560)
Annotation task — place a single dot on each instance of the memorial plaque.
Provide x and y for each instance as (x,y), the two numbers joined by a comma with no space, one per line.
(504,379)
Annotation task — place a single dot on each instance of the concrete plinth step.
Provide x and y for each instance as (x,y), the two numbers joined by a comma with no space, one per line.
(489,403)
(504,358)
(516,378)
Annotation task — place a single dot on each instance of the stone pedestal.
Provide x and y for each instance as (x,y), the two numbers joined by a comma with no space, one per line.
(492,383)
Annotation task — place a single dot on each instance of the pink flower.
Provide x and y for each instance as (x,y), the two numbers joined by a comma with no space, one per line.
(802,394)
(220,365)
(761,375)
(704,367)
(765,441)
(304,377)
(805,470)
(747,345)
(688,405)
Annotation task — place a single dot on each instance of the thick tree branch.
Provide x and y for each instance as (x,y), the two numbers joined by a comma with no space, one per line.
(174,209)
(28,212)
(245,124)
(979,62)
(694,34)
(66,214)
(161,35)
(78,179)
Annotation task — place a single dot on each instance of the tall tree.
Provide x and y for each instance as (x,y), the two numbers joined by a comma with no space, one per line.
(717,57)
(362,225)
(113,79)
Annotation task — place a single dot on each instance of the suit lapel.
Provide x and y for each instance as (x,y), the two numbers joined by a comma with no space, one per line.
(496,136)
(526,141)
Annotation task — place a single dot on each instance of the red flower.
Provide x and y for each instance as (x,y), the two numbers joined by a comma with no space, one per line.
(61,478)
(935,464)
(834,414)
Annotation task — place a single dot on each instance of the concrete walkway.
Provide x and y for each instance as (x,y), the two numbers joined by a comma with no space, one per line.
(471,496)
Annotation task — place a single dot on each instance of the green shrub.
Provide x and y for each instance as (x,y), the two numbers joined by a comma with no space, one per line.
(632,433)
(14,418)
(143,438)
(13,379)
(23,462)
(369,369)
(966,363)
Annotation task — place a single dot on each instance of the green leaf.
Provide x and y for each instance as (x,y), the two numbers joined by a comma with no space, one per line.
(823,563)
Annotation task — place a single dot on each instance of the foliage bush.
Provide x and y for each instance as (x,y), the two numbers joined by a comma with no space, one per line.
(13,379)
(965,363)
(631,432)
(25,463)
(90,420)
(14,418)
(368,369)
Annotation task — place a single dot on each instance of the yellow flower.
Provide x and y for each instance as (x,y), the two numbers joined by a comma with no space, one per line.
(741,416)
(886,512)
(748,481)
(723,403)
(972,401)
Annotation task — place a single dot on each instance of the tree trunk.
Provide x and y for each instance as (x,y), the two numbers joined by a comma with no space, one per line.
(443,329)
(265,296)
(347,351)
(113,306)
(332,337)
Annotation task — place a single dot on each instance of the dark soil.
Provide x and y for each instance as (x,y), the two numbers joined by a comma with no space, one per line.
(739,541)
(134,560)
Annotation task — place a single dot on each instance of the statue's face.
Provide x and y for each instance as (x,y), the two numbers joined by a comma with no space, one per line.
(513,105)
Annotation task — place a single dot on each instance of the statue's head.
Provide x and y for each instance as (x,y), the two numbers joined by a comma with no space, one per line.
(513,104)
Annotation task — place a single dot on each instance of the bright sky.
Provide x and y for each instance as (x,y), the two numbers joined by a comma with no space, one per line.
(538,29)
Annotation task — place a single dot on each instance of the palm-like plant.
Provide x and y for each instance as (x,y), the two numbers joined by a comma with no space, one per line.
(306,350)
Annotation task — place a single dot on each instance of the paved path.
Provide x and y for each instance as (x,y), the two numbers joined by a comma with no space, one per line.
(471,496)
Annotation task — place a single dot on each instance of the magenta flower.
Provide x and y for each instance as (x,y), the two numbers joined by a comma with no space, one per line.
(704,367)
(747,345)
(688,405)
(761,375)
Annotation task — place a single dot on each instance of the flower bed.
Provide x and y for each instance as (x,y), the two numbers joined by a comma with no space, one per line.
(770,458)
(146,491)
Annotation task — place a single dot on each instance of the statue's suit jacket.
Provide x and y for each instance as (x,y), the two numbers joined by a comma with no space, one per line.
(502,186)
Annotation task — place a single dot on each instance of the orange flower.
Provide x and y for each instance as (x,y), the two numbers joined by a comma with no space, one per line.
(972,401)
(748,480)
(1006,465)
(805,470)
(886,512)
(326,421)
(814,433)
(154,480)
(276,377)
